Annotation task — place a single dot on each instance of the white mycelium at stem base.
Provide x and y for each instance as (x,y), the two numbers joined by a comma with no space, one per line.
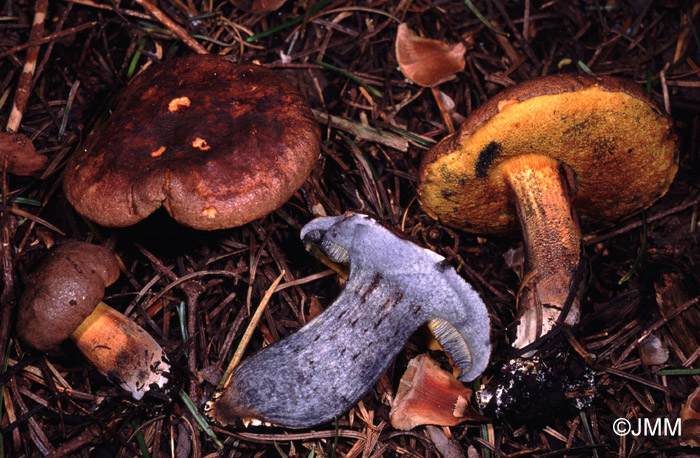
(122,350)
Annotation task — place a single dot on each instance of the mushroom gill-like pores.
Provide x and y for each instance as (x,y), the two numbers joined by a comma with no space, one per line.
(63,299)
(544,156)
(324,368)
(217,144)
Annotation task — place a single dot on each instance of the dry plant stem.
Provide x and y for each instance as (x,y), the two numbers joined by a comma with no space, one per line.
(24,86)
(443,110)
(121,350)
(124,11)
(192,290)
(46,39)
(87,437)
(255,319)
(552,240)
(178,31)
(6,258)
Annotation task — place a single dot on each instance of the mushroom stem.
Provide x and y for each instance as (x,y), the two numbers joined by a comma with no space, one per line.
(121,350)
(552,240)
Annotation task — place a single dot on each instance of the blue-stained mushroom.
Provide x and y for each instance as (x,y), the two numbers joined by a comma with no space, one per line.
(325,368)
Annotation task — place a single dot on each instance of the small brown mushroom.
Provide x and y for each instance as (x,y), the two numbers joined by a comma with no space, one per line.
(63,299)
(215,143)
(543,155)
(429,395)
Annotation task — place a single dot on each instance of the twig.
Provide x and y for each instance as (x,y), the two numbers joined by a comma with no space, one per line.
(660,322)
(110,8)
(593,239)
(6,261)
(178,31)
(26,80)
(363,132)
(46,39)
(248,333)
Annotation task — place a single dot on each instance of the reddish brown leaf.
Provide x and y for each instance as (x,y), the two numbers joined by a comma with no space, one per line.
(22,158)
(425,61)
(258,6)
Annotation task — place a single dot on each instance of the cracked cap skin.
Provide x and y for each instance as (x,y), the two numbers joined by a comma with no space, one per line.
(217,144)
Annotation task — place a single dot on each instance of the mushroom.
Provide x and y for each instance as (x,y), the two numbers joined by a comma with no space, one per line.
(63,299)
(544,155)
(323,369)
(215,143)
(429,395)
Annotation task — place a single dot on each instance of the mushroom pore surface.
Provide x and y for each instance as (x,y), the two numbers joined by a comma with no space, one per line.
(617,144)
(63,291)
(216,143)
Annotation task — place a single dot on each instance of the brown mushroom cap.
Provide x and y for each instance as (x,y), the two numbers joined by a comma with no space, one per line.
(63,291)
(608,132)
(217,144)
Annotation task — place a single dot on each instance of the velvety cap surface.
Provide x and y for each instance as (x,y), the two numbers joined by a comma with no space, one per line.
(608,132)
(217,144)
(63,291)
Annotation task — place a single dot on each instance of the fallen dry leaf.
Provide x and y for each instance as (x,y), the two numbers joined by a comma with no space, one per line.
(22,158)
(425,61)
(690,420)
(258,6)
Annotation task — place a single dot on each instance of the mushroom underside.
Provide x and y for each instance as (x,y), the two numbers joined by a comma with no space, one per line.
(605,139)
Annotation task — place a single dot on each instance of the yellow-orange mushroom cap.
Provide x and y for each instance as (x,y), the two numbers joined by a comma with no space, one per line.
(617,143)
(546,156)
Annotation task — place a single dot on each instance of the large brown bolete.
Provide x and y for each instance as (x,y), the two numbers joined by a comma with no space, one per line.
(215,143)
(542,156)
(63,299)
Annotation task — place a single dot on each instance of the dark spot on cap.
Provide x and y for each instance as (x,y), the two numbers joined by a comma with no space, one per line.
(73,302)
(486,157)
